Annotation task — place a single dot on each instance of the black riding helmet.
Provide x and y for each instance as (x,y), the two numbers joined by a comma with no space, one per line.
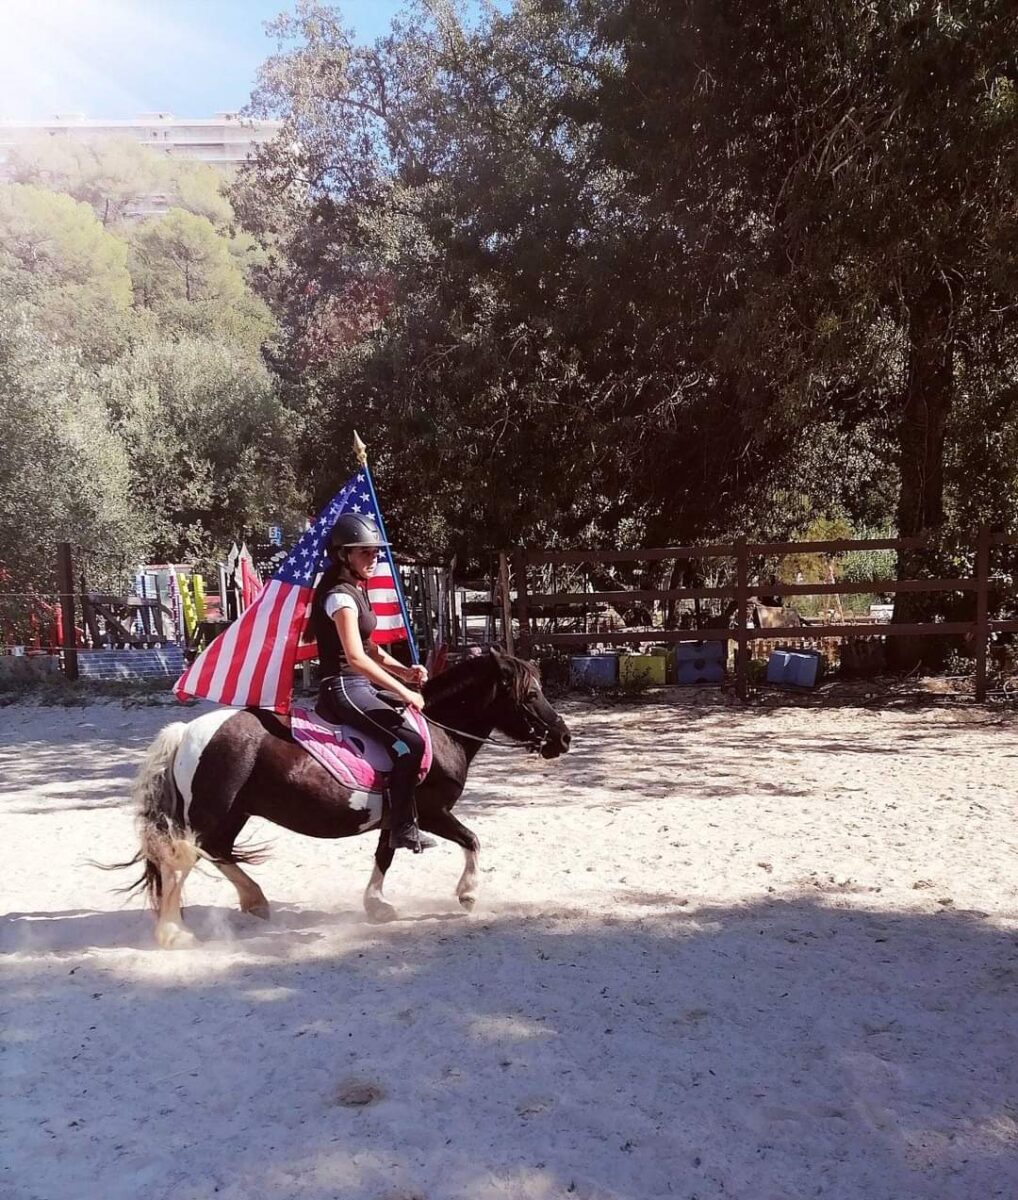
(353,530)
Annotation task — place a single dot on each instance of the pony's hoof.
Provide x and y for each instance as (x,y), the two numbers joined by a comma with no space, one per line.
(468,900)
(262,911)
(380,910)
(175,937)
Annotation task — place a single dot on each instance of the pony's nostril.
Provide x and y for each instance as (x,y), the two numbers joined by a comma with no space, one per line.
(565,737)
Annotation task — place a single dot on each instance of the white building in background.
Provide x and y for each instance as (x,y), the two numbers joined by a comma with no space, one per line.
(224,140)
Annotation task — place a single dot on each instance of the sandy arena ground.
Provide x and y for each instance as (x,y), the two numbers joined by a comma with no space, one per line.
(760,954)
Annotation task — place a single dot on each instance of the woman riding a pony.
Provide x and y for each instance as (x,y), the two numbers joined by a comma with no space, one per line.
(361,684)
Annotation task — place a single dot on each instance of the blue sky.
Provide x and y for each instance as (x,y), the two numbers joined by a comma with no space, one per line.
(118,58)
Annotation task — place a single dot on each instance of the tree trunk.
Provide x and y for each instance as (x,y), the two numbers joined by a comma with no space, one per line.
(928,394)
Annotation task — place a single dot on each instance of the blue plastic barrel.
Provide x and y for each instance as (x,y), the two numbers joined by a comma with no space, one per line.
(712,651)
(795,667)
(594,670)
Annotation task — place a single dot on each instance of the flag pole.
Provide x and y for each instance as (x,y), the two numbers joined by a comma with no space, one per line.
(361,454)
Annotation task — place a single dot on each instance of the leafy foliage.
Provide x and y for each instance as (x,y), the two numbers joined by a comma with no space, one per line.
(64,473)
(114,174)
(138,414)
(646,269)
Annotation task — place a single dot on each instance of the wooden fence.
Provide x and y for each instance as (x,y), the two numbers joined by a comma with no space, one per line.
(528,604)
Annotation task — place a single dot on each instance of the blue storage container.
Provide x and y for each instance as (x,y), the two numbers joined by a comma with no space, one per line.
(800,668)
(594,670)
(700,662)
(699,670)
(712,651)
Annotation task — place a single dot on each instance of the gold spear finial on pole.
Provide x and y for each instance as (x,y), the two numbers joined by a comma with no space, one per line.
(360,450)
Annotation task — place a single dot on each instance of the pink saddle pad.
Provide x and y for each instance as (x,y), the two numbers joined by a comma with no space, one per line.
(358,761)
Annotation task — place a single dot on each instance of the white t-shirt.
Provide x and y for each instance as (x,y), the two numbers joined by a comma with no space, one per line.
(336,601)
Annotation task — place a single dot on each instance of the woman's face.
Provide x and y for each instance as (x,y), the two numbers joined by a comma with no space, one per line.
(362,560)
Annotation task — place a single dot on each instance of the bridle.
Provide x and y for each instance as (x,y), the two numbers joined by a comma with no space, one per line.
(538,732)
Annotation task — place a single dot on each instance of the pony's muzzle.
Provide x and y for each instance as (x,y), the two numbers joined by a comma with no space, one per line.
(556,742)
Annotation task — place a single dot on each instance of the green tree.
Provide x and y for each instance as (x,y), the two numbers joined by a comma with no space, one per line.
(114,174)
(57,258)
(646,269)
(186,273)
(209,443)
(64,473)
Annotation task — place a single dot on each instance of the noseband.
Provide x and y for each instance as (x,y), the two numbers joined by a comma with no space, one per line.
(539,731)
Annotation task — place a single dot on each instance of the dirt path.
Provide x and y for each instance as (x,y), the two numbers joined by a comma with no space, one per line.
(761,954)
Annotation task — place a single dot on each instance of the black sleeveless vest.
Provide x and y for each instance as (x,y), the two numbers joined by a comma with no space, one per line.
(330,647)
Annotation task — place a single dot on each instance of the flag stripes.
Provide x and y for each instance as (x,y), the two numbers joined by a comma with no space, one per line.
(251,663)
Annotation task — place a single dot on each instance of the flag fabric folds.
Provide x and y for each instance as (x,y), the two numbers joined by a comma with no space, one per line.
(251,664)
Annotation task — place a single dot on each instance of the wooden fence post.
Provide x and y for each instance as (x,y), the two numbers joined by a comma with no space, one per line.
(65,586)
(507,604)
(522,607)
(742,602)
(981,629)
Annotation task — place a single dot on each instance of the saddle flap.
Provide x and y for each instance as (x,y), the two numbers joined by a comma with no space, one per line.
(353,757)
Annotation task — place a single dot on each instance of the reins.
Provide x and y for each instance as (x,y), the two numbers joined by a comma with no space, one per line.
(490,741)
(539,732)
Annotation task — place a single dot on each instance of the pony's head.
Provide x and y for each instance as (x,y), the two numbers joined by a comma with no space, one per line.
(521,709)
(509,689)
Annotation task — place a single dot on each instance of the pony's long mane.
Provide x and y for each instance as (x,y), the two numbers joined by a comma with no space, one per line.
(459,681)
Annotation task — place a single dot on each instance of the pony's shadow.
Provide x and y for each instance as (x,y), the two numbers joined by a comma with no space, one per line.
(450,915)
(75,930)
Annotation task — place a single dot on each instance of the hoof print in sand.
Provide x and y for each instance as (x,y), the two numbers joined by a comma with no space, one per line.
(358,1093)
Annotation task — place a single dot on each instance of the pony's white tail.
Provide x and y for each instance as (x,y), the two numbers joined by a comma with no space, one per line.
(165,843)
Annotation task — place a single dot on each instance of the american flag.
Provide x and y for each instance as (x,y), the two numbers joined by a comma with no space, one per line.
(251,664)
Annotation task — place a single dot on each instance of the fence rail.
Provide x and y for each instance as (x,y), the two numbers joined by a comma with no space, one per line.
(740,593)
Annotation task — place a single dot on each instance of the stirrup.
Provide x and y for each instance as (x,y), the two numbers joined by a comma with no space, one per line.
(410,838)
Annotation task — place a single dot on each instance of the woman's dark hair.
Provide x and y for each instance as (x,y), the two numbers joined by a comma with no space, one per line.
(337,570)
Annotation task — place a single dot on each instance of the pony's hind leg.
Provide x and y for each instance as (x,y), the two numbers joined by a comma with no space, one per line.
(444,825)
(252,898)
(218,844)
(375,904)
(175,857)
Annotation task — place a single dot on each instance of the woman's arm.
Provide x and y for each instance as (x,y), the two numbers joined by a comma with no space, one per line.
(362,660)
(390,664)
(416,675)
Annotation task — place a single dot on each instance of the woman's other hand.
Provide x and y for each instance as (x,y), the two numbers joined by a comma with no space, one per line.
(417,675)
(414,699)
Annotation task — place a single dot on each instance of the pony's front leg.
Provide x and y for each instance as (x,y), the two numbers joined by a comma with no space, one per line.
(444,825)
(375,904)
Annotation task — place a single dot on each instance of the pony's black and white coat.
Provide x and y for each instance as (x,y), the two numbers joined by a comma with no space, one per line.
(203,780)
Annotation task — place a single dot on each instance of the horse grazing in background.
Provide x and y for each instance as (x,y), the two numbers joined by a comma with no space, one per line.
(202,780)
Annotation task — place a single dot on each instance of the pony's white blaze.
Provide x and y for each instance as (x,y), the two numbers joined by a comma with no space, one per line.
(198,735)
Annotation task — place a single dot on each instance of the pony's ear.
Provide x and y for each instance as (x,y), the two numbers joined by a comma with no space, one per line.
(503,667)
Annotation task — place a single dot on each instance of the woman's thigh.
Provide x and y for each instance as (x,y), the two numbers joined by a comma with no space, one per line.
(359,704)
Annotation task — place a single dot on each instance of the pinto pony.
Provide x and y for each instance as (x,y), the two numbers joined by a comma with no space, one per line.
(202,780)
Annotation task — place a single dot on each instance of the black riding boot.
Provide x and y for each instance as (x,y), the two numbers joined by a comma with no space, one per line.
(404,833)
